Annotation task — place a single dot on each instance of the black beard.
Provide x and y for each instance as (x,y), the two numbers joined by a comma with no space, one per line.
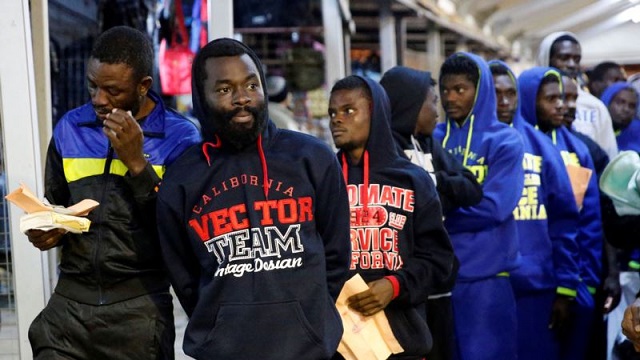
(238,136)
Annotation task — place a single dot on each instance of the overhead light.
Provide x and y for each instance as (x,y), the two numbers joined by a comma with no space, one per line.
(633,14)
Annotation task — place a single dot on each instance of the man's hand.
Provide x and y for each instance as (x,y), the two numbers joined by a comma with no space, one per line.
(127,139)
(560,312)
(631,324)
(611,288)
(45,240)
(373,300)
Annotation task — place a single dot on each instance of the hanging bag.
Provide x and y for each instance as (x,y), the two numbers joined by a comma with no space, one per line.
(176,58)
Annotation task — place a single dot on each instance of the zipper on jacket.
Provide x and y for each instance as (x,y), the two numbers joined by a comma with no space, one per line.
(105,174)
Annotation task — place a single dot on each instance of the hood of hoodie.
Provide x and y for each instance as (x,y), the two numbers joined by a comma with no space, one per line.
(406,89)
(612,90)
(484,107)
(544,50)
(380,147)
(209,126)
(528,85)
(517,116)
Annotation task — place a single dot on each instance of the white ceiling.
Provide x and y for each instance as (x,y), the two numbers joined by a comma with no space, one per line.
(604,27)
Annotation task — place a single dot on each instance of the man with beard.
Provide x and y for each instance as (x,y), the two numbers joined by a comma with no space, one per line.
(112,300)
(540,90)
(255,223)
(562,51)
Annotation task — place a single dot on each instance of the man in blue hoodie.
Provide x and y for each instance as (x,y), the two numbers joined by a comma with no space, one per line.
(414,114)
(484,236)
(255,223)
(399,244)
(547,218)
(622,101)
(540,89)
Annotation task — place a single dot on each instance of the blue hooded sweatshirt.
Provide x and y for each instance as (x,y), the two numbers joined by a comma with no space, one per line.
(256,240)
(404,236)
(546,215)
(629,137)
(575,152)
(484,236)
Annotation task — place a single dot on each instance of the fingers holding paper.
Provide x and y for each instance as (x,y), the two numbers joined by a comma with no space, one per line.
(45,240)
(373,300)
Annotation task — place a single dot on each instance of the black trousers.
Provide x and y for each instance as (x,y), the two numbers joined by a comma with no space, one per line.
(138,328)
(440,321)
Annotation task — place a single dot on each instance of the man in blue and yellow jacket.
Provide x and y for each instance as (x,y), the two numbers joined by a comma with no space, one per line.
(547,218)
(542,87)
(112,299)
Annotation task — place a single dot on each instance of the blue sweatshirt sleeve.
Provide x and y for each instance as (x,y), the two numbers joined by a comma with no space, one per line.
(590,237)
(430,266)
(182,265)
(332,219)
(562,220)
(502,188)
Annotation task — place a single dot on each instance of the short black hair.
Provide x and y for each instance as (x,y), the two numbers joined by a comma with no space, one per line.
(597,74)
(352,82)
(125,45)
(565,37)
(460,65)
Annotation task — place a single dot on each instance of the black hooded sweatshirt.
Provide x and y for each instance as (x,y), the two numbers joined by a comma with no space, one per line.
(404,236)
(256,240)
(407,88)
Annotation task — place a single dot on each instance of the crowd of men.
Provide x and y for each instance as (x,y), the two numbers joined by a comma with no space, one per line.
(481,236)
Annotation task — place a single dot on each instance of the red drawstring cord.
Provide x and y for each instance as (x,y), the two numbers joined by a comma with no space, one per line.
(265,174)
(365,194)
(215,145)
(263,160)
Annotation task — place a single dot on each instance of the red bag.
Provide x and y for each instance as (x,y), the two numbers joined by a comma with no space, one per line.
(175,60)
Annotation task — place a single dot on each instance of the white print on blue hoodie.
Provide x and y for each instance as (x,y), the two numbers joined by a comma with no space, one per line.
(590,238)
(546,215)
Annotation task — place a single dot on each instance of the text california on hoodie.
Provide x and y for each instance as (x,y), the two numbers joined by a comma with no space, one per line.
(256,242)
(404,236)
(484,236)
(574,152)
(547,215)
(592,116)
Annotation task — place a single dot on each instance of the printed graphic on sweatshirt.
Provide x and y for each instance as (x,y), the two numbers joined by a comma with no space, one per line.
(473,163)
(377,217)
(530,207)
(240,246)
(570,158)
(423,160)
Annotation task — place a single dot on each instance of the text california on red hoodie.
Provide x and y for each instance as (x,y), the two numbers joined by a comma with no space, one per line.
(484,236)
(404,236)
(256,241)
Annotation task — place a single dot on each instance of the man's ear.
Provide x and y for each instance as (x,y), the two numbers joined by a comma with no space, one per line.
(145,85)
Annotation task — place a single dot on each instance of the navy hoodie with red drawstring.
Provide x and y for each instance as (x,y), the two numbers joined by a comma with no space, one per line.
(256,241)
(396,228)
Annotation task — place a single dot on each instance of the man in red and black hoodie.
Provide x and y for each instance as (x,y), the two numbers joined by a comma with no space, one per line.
(399,244)
(254,223)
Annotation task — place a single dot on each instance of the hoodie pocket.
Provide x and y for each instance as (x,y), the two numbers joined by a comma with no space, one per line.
(410,329)
(262,331)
